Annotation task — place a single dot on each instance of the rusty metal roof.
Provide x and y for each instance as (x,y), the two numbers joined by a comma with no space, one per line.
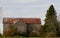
(24,20)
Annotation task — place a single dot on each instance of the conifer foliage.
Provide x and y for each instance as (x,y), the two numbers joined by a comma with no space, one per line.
(51,19)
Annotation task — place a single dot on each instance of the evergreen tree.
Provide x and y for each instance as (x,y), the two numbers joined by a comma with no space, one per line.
(51,19)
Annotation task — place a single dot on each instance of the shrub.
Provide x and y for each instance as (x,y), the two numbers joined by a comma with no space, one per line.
(51,34)
(10,32)
(1,35)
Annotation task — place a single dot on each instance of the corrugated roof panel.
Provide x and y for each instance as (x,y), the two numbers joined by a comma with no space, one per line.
(24,20)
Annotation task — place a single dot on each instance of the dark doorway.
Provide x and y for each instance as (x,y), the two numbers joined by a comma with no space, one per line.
(29,29)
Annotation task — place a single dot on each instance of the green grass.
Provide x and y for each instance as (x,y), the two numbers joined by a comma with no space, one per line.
(29,37)
(21,37)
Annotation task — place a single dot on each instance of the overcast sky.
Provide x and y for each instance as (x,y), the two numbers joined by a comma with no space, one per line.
(26,8)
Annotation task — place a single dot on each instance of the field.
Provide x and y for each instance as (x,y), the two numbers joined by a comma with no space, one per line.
(29,37)
(22,37)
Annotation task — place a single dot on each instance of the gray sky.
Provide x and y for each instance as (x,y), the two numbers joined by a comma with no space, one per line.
(26,8)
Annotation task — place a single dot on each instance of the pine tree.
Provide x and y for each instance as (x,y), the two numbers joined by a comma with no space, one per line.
(51,19)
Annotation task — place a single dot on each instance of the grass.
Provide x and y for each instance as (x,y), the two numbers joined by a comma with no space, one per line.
(28,37)
(22,37)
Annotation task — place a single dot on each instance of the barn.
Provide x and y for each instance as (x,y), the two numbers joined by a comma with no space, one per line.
(23,25)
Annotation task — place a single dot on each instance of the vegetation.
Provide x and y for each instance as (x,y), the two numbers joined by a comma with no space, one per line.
(49,29)
(1,35)
(51,19)
(11,31)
